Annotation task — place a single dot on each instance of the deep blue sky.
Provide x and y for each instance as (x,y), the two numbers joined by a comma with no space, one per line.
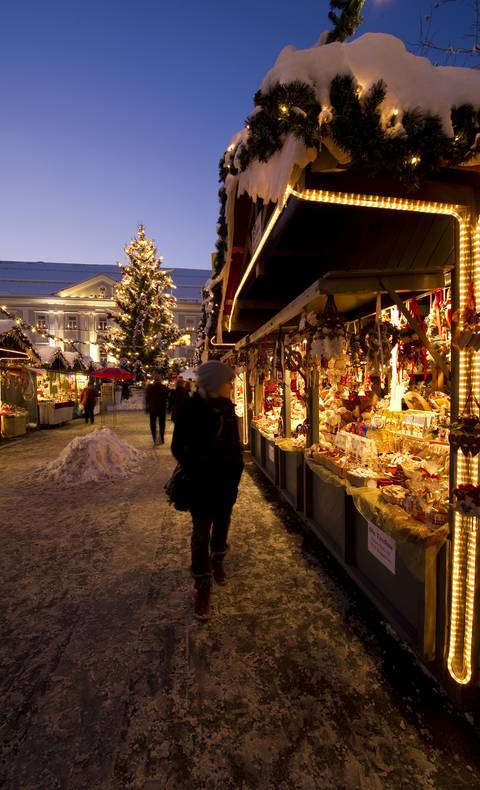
(115,112)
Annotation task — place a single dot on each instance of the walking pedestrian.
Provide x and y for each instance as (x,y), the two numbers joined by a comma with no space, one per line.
(206,444)
(179,397)
(88,399)
(156,395)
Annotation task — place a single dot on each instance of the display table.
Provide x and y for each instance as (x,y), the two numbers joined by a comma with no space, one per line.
(265,453)
(51,413)
(13,425)
(290,472)
(392,557)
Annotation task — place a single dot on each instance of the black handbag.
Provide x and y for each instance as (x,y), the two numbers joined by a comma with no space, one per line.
(179,489)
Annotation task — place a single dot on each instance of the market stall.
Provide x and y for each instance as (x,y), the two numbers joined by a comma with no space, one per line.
(55,387)
(353,262)
(18,407)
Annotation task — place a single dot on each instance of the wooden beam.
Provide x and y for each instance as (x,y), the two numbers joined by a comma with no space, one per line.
(418,329)
(347,282)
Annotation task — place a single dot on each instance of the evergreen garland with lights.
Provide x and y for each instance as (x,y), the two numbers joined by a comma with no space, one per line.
(410,147)
(346,24)
(145,326)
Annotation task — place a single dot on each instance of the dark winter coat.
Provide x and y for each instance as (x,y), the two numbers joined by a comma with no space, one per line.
(178,399)
(156,396)
(206,443)
(89,396)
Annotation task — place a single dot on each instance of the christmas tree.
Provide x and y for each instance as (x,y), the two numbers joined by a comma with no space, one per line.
(145,326)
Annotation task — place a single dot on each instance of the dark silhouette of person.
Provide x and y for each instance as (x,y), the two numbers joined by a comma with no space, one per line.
(179,397)
(88,399)
(207,446)
(156,395)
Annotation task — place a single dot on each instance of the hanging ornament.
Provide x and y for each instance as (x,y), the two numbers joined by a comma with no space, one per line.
(412,354)
(377,340)
(465,431)
(329,340)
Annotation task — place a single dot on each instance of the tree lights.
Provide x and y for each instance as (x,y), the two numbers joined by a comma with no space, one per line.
(145,326)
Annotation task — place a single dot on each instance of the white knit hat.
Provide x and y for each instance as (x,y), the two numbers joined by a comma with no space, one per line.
(211,375)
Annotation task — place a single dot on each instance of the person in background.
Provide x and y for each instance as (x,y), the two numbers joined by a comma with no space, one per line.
(206,444)
(180,396)
(88,399)
(156,395)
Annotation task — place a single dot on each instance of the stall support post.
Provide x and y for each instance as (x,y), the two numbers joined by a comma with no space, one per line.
(312,407)
(258,400)
(286,405)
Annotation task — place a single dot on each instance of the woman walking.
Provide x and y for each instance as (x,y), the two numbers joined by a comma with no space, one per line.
(206,444)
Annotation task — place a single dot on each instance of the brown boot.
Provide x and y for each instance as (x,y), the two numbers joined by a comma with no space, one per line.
(202,598)
(218,569)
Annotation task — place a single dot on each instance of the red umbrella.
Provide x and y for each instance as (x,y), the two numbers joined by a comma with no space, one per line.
(113,373)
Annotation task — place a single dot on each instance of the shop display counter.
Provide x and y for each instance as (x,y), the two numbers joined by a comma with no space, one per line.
(399,574)
(51,413)
(269,455)
(325,507)
(13,425)
(290,472)
(255,443)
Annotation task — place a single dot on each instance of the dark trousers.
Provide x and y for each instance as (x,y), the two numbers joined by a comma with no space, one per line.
(209,538)
(160,415)
(88,412)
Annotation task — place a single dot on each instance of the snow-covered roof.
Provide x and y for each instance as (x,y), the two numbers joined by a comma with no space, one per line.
(48,354)
(412,82)
(28,278)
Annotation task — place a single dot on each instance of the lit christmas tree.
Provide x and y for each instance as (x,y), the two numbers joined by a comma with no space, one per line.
(145,326)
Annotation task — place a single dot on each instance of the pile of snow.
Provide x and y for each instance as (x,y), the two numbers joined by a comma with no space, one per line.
(101,455)
(411,82)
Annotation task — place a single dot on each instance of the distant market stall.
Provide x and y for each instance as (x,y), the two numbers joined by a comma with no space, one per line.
(18,403)
(347,285)
(56,386)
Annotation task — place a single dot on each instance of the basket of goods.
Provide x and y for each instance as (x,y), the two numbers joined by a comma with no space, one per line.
(467,499)
(329,340)
(437,517)
(377,339)
(465,431)
(393,495)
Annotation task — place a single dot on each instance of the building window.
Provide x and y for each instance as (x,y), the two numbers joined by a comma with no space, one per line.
(41,321)
(190,322)
(71,322)
(102,323)
(102,292)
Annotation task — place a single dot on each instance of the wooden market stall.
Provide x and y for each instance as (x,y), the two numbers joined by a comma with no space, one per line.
(55,387)
(18,402)
(349,287)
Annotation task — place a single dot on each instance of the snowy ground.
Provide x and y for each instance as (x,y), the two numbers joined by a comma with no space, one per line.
(108,683)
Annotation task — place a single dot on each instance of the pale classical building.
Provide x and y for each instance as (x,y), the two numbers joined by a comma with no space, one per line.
(72,301)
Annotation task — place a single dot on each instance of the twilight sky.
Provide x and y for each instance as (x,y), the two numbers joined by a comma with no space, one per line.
(116,112)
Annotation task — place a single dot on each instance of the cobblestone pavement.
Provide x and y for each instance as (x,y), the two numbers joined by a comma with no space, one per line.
(107,681)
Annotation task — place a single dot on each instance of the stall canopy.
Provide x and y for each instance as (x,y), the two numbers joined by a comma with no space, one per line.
(351,147)
(53,358)
(75,361)
(15,345)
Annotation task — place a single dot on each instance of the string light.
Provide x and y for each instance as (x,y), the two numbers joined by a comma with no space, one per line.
(464,537)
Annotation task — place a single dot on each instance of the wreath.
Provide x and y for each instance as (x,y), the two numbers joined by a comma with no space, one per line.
(377,340)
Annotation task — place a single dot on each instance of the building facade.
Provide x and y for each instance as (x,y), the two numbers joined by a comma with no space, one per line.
(73,302)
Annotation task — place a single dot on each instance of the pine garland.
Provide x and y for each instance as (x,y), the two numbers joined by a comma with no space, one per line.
(411,147)
(346,24)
